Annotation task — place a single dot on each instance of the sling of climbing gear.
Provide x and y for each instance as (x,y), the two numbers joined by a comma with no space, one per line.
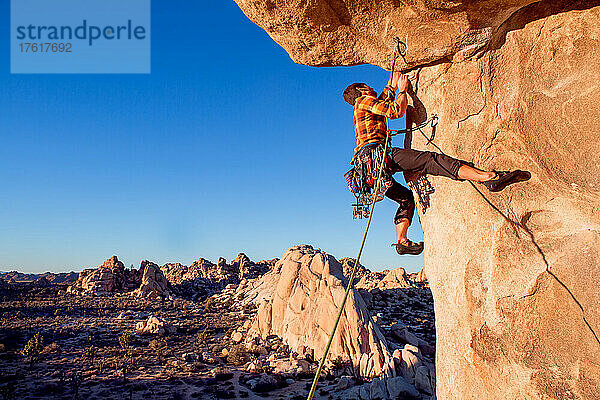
(433,120)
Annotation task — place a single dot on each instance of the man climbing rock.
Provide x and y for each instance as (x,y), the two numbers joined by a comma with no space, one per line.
(370,113)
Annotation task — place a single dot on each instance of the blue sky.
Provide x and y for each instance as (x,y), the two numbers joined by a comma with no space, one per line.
(227,146)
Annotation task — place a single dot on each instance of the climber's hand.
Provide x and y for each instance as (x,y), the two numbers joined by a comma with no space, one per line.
(403,83)
(393,82)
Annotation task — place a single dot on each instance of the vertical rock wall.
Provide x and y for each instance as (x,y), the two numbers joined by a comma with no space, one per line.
(515,275)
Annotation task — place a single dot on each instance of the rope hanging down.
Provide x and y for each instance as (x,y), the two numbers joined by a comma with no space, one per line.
(362,245)
(350,283)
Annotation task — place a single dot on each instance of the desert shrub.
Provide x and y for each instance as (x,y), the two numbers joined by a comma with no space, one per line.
(126,341)
(127,362)
(160,348)
(209,304)
(202,338)
(89,354)
(238,355)
(335,366)
(76,379)
(33,349)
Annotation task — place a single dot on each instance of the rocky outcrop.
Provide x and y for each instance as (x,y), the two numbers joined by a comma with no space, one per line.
(387,279)
(515,85)
(204,278)
(112,277)
(108,278)
(420,276)
(153,284)
(348,266)
(350,32)
(298,302)
(248,269)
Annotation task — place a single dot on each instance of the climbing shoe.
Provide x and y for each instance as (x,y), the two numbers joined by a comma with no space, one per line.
(505,178)
(408,247)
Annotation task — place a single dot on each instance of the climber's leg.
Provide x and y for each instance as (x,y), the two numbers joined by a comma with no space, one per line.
(466,172)
(428,162)
(402,230)
(406,209)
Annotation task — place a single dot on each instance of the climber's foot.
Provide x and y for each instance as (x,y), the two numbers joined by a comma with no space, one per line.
(505,178)
(408,247)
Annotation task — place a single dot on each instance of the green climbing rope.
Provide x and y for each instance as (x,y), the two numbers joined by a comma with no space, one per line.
(351,280)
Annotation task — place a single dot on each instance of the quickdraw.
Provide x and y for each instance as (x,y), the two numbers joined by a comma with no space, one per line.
(433,121)
(401,48)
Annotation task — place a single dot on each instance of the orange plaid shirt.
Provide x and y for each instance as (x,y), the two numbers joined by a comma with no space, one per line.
(369,117)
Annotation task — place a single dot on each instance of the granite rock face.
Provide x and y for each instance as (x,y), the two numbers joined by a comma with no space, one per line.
(514,274)
(298,302)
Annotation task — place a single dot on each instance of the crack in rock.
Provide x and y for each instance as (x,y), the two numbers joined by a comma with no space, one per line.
(544,259)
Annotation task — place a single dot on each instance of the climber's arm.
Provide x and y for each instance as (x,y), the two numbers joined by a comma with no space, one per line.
(389,108)
(402,83)
(385,104)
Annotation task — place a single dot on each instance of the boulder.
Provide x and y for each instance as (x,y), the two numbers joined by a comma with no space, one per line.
(298,302)
(395,388)
(348,265)
(421,277)
(398,388)
(290,366)
(154,284)
(404,335)
(515,85)
(154,325)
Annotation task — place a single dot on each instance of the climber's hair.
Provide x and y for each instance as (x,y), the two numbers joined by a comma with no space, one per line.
(352,93)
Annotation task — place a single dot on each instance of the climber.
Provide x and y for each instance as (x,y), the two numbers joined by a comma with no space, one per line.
(370,114)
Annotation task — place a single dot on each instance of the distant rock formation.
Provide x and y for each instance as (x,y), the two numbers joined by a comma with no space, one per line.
(153,284)
(112,277)
(108,278)
(387,279)
(203,277)
(348,265)
(299,302)
(51,277)
(419,276)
